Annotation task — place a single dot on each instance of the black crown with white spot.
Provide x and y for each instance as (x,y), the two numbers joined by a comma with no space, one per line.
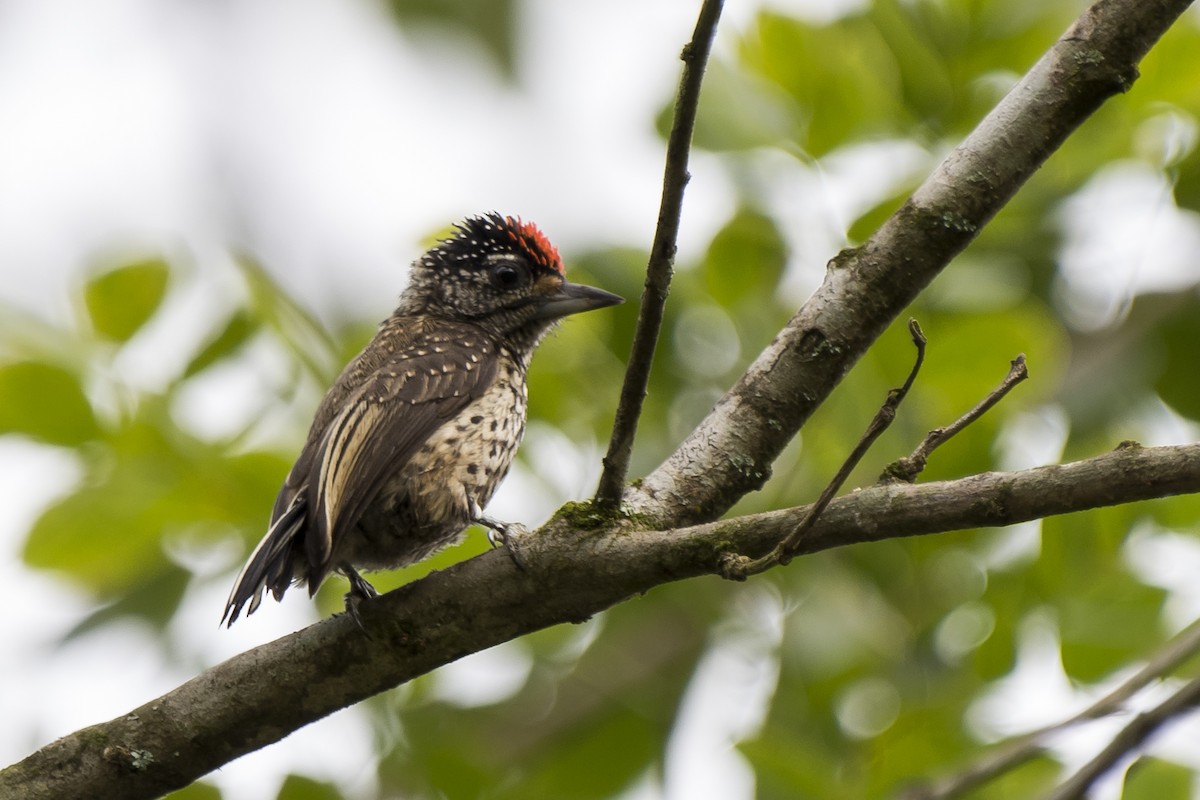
(477,237)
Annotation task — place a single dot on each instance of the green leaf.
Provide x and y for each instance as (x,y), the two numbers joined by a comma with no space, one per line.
(787,764)
(46,403)
(841,78)
(155,599)
(197,791)
(106,534)
(746,257)
(240,327)
(122,300)
(1034,778)
(297,787)
(1107,623)
(598,762)
(151,482)
(1152,778)
(1179,383)
(489,23)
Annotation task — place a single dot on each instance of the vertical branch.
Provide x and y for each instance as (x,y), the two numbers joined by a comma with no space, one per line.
(662,258)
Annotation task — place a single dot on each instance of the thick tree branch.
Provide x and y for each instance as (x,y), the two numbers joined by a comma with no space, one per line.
(262,695)
(865,289)
(662,258)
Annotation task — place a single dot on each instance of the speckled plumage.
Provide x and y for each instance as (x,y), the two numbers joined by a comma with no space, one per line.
(411,441)
(450,478)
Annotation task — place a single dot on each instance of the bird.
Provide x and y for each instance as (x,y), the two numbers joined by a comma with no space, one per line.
(412,439)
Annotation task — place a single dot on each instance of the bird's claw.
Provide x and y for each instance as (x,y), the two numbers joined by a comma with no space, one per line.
(361,591)
(506,534)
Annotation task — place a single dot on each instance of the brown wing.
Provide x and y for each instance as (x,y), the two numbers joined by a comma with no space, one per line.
(374,418)
(382,426)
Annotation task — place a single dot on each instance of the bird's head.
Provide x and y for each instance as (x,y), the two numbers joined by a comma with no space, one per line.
(501,274)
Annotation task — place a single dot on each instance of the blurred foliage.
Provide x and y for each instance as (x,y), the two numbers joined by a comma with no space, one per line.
(46,403)
(121,300)
(197,791)
(488,24)
(885,653)
(1150,778)
(297,787)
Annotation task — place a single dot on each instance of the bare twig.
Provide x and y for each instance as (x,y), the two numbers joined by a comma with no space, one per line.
(662,258)
(1130,737)
(1176,651)
(1016,752)
(735,566)
(907,469)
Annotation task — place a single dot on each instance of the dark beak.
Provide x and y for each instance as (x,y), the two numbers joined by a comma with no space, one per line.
(572,298)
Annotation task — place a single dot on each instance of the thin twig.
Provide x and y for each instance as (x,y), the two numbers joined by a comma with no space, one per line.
(907,469)
(1012,754)
(735,566)
(1128,739)
(662,258)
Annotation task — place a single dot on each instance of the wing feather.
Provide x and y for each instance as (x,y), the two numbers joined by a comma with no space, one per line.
(382,409)
(382,427)
(265,568)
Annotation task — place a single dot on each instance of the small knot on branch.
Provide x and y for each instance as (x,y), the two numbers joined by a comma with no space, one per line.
(733,566)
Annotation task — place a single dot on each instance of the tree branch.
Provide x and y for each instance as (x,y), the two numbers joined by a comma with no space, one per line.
(730,453)
(738,567)
(1016,752)
(909,467)
(662,257)
(1131,736)
(260,696)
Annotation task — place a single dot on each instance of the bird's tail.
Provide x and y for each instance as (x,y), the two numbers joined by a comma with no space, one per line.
(269,567)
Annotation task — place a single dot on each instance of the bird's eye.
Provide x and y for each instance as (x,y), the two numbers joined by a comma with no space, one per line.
(506,276)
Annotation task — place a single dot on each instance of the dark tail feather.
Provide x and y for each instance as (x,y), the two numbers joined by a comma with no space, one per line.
(269,567)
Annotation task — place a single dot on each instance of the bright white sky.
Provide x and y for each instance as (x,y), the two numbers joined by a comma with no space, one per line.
(326,141)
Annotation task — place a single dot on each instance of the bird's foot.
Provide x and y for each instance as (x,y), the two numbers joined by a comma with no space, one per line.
(360,591)
(506,534)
